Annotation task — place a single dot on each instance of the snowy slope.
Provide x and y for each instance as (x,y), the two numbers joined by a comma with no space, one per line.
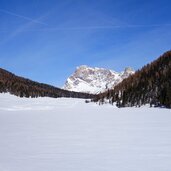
(94,80)
(68,135)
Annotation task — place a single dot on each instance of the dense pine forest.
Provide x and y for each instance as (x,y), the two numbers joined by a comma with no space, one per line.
(150,85)
(23,87)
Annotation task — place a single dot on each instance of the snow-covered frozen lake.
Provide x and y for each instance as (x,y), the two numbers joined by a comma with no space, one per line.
(62,134)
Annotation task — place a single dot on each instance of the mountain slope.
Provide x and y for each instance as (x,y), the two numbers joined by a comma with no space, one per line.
(94,80)
(151,84)
(23,87)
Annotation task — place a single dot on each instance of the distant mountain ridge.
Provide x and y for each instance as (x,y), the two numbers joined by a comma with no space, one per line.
(23,87)
(95,80)
(149,85)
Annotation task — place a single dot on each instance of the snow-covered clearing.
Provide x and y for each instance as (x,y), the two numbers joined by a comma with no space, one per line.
(62,134)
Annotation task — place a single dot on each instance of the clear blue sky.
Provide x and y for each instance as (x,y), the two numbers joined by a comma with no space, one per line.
(45,40)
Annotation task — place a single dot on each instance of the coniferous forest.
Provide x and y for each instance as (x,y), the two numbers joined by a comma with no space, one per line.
(23,87)
(150,85)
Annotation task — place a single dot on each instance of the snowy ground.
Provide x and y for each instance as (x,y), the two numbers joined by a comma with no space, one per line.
(68,135)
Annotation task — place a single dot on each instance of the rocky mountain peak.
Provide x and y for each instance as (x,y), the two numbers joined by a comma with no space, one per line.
(94,80)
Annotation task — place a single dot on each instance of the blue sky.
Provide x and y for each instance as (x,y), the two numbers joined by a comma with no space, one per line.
(45,40)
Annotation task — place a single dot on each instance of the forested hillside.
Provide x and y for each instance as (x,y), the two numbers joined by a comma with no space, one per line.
(150,85)
(23,87)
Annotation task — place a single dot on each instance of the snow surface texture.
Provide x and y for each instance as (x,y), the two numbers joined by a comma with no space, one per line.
(94,80)
(62,134)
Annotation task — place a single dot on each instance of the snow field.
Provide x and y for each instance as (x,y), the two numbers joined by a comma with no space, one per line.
(46,134)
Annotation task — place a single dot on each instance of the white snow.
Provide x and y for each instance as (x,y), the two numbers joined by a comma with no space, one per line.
(62,134)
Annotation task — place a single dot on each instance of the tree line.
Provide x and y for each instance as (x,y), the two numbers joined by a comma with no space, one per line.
(149,85)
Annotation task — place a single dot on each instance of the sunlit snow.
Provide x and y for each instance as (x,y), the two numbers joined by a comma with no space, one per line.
(46,134)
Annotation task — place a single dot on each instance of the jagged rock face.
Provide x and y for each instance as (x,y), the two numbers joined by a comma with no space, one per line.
(127,72)
(94,80)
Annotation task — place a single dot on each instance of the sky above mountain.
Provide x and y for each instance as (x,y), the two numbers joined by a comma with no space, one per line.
(45,40)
